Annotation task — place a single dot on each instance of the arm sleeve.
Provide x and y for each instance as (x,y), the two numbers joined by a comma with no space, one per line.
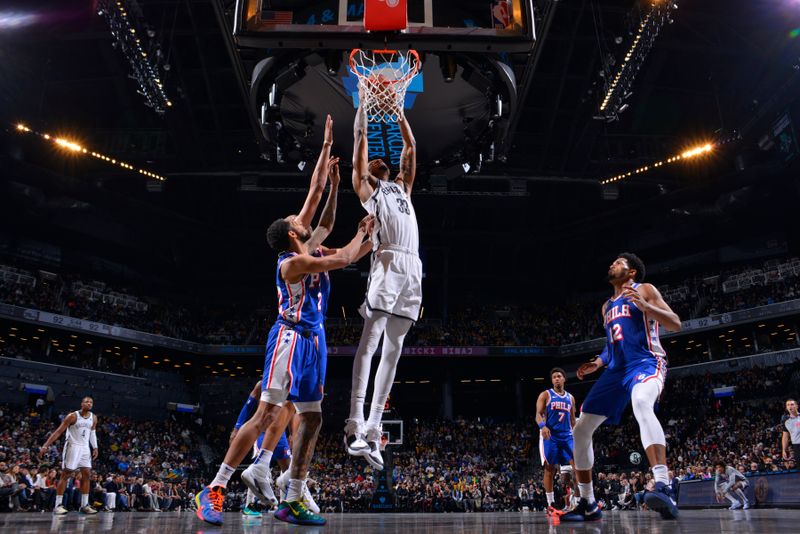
(604,356)
(93,439)
(247,412)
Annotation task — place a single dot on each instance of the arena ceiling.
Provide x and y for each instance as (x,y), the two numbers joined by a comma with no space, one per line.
(724,70)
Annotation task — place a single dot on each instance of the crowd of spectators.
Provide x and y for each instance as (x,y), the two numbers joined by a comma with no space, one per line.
(532,324)
(144,465)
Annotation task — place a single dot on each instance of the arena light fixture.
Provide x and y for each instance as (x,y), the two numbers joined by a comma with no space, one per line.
(618,87)
(80,150)
(137,42)
(695,152)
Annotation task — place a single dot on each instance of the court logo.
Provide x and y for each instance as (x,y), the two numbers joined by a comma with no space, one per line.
(635,458)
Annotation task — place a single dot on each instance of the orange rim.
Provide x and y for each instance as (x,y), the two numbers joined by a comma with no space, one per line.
(411,73)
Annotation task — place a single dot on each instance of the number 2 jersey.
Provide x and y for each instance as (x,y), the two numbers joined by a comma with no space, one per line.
(304,303)
(631,336)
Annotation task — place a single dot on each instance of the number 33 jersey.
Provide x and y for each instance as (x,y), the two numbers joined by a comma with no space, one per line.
(395,219)
(395,278)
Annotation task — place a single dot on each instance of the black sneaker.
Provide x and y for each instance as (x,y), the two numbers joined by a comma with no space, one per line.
(584,512)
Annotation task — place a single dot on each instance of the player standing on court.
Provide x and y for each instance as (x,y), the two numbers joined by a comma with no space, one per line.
(296,352)
(80,448)
(394,289)
(555,415)
(636,371)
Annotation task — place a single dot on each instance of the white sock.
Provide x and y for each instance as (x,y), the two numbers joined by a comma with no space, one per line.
(660,473)
(731,498)
(587,491)
(263,459)
(367,345)
(84,499)
(295,492)
(59,500)
(223,476)
(375,415)
(250,498)
(741,495)
(550,498)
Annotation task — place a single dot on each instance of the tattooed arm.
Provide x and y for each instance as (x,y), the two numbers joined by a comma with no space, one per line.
(408,159)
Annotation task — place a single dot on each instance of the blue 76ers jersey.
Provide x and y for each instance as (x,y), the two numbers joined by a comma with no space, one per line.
(632,337)
(559,410)
(303,303)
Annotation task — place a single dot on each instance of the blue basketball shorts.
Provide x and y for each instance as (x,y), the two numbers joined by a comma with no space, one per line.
(295,365)
(611,394)
(557,450)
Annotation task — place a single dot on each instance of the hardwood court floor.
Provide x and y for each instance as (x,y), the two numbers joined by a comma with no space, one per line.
(765,521)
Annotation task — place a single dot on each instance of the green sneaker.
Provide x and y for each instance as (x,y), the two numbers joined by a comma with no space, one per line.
(296,513)
(250,512)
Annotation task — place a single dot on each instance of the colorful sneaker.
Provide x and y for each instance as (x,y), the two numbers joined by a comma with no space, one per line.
(374,457)
(87,510)
(584,512)
(297,514)
(209,504)
(60,510)
(308,499)
(662,501)
(354,441)
(259,481)
(249,512)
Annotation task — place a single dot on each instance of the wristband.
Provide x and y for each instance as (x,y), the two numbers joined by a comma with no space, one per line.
(541,425)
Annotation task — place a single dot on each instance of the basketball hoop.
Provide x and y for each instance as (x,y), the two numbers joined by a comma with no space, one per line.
(383,78)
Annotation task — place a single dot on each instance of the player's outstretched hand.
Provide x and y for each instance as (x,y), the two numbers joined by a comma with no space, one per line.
(545,433)
(367,224)
(329,130)
(94,454)
(333,171)
(589,368)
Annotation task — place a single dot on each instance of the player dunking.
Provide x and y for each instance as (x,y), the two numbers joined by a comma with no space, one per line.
(394,289)
(296,353)
(80,448)
(555,415)
(636,371)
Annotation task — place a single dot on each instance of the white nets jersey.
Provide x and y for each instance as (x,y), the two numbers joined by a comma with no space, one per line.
(78,433)
(395,219)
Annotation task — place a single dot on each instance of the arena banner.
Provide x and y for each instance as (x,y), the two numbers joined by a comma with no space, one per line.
(779,489)
(420,351)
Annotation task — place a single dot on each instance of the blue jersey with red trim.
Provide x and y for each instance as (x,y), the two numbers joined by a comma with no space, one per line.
(558,413)
(631,336)
(303,303)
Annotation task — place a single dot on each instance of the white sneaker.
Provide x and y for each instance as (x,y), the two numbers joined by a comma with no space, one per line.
(60,510)
(88,510)
(308,499)
(259,481)
(354,440)
(735,506)
(746,505)
(373,437)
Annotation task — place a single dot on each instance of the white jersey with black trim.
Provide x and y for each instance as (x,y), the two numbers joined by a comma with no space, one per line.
(395,219)
(78,432)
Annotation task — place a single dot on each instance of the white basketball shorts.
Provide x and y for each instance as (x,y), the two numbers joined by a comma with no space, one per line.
(76,457)
(395,283)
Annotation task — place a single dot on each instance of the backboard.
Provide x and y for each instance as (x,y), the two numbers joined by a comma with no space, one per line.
(433,25)
(393,430)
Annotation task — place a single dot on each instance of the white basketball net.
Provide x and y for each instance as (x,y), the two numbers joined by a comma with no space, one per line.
(383,78)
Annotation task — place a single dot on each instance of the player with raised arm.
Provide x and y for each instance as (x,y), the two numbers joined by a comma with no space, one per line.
(296,352)
(394,289)
(637,367)
(555,415)
(80,448)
